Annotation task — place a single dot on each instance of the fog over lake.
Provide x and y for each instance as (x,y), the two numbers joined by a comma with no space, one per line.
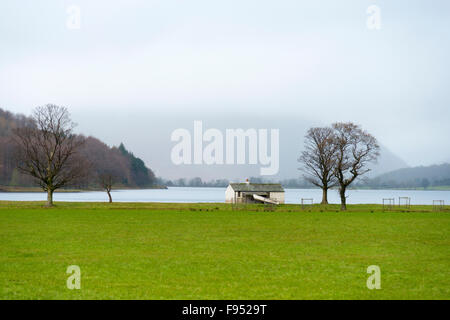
(135,71)
(193,195)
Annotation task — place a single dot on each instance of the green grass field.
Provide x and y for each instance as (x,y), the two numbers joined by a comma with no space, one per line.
(208,251)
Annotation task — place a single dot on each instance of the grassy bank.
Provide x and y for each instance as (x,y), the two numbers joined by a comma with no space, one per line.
(208,251)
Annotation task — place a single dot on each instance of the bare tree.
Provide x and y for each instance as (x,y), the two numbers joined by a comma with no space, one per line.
(47,149)
(318,159)
(355,150)
(107,180)
(107,176)
(108,166)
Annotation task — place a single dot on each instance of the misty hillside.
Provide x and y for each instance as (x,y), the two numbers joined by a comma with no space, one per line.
(422,177)
(387,162)
(128,170)
(155,146)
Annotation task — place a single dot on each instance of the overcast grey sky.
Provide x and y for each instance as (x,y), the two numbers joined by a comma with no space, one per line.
(314,62)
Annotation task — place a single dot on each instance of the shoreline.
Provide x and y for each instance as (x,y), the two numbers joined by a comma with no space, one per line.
(8,189)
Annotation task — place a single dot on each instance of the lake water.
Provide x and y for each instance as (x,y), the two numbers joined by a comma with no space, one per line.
(179,194)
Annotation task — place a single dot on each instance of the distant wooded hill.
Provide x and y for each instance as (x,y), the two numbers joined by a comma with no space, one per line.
(417,177)
(408,178)
(129,170)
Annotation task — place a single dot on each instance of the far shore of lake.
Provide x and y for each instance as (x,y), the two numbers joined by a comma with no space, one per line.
(11,189)
(67,190)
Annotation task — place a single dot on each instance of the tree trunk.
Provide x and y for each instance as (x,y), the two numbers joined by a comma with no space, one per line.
(343,199)
(109,196)
(324,195)
(49,198)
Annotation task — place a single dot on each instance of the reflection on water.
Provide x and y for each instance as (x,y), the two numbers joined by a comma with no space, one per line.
(180,194)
